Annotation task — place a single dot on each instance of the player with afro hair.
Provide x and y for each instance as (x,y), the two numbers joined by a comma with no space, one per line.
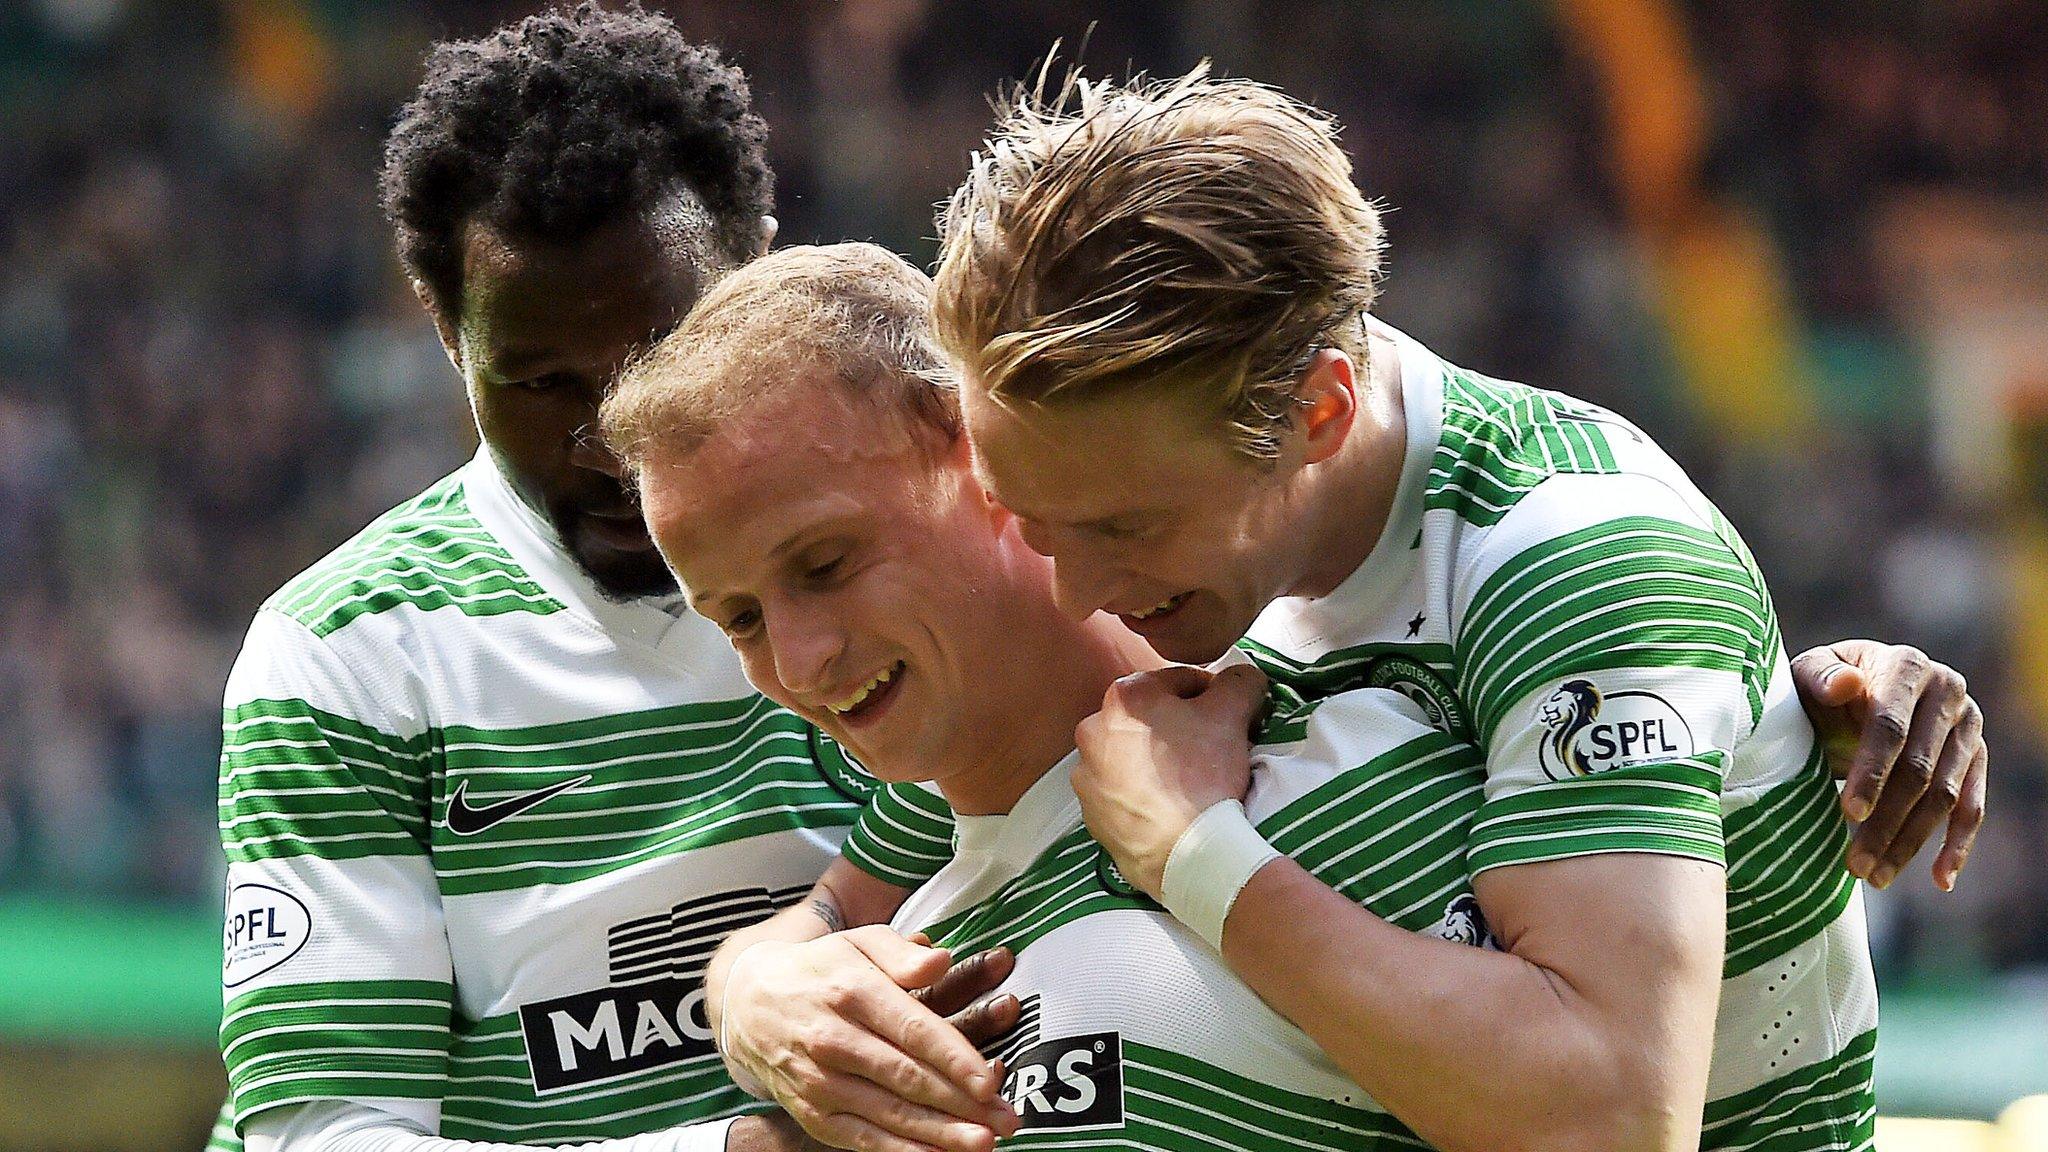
(553,126)
(563,189)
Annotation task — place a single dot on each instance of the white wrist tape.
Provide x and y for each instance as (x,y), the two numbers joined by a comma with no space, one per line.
(1209,865)
(740,1076)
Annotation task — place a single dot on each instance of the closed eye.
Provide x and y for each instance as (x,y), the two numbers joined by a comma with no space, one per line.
(740,625)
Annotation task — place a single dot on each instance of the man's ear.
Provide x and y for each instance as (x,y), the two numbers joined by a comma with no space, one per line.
(1329,404)
(769,226)
(443,327)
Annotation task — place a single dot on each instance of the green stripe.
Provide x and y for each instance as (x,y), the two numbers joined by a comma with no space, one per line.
(1670,808)
(374,783)
(224,1138)
(645,1115)
(1390,835)
(1826,1105)
(496,744)
(1786,877)
(1342,670)
(1500,440)
(429,552)
(406,1080)
(300,781)
(1247,1106)
(904,836)
(774,810)
(692,1089)
(1633,592)
(316,1041)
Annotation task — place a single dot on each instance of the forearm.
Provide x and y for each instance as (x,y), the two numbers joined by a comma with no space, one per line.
(816,916)
(1474,1049)
(844,897)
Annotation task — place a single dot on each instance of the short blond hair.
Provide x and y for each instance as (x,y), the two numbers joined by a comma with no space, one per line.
(857,311)
(1198,234)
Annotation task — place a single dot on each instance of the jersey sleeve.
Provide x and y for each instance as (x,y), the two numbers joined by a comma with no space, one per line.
(1359,789)
(336,977)
(904,835)
(1613,640)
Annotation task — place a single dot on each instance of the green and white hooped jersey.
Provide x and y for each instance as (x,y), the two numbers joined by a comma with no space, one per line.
(485,827)
(1554,591)
(1134,1032)
(1552,588)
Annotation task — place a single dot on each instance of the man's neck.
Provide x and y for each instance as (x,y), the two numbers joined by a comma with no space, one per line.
(1077,662)
(1351,496)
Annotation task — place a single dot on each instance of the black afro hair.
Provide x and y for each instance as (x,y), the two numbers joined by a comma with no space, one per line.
(552,127)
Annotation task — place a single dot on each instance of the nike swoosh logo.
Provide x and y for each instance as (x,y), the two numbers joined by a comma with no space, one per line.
(467,820)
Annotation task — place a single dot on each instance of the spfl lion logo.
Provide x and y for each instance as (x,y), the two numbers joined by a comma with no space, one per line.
(1590,731)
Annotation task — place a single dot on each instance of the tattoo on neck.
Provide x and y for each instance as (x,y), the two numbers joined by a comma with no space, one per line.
(829,912)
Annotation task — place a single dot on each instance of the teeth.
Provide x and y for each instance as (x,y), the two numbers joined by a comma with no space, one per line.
(867,689)
(1156,609)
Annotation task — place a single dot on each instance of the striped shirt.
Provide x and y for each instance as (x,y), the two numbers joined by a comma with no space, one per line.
(484,828)
(1134,1033)
(1554,592)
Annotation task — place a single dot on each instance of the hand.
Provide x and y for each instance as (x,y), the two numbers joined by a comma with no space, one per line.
(964,995)
(1904,734)
(1166,745)
(829,1027)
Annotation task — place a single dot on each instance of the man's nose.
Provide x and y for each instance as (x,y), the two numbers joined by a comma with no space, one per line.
(805,642)
(588,450)
(1081,586)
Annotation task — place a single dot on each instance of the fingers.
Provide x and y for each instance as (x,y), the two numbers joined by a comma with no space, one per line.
(848,1058)
(1889,712)
(1940,798)
(1908,779)
(849,1112)
(987,1020)
(1240,688)
(1963,824)
(1174,680)
(968,981)
(907,962)
(1824,679)
(916,1032)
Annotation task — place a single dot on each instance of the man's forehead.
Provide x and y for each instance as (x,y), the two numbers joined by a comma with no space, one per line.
(784,445)
(625,261)
(1054,467)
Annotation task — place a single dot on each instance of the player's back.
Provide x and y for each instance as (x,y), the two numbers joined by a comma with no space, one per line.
(1134,1033)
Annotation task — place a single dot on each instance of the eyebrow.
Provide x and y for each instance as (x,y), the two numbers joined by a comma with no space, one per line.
(518,364)
(803,538)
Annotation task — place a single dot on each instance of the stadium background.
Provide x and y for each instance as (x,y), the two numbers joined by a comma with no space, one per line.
(1804,243)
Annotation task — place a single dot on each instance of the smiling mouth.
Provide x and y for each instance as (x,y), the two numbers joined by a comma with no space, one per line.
(1166,607)
(866,699)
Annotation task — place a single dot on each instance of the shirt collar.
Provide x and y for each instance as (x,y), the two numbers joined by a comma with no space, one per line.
(652,621)
(1047,811)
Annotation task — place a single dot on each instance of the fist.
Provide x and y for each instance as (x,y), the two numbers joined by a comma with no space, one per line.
(1166,746)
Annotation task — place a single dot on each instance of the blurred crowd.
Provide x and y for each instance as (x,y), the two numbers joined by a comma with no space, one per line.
(211,370)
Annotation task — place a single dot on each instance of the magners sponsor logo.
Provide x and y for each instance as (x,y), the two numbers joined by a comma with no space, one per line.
(1072,1084)
(652,1014)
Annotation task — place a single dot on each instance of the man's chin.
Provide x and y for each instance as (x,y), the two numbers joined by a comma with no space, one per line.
(623,576)
(1200,635)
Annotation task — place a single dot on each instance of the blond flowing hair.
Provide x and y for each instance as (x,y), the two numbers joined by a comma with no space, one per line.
(1196,234)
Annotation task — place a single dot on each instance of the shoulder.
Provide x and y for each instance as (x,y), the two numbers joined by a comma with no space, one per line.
(1502,441)
(430,553)
(1341,750)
